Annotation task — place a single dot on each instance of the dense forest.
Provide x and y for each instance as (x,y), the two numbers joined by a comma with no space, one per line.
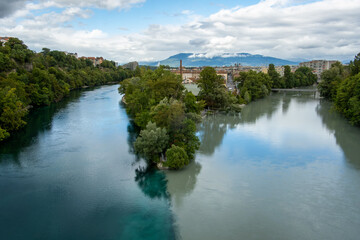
(29,79)
(341,84)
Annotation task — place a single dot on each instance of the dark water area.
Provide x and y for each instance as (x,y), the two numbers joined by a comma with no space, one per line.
(71,174)
(287,167)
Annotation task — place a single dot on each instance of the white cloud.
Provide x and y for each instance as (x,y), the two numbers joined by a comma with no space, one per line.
(280,28)
(108,4)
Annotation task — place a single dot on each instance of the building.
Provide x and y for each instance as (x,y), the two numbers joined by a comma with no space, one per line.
(95,60)
(318,66)
(71,54)
(4,40)
(193,75)
(131,65)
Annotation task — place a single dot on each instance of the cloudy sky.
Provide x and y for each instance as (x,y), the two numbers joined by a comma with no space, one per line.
(127,30)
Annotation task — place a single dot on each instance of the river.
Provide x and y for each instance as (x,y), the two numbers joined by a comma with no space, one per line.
(287,167)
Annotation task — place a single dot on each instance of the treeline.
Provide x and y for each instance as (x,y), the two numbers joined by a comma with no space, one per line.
(166,114)
(254,85)
(29,79)
(341,84)
(302,77)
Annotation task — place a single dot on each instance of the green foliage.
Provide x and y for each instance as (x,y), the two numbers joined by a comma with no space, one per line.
(185,137)
(11,110)
(40,79)
(168,113)
(158,96)
(304,77)
(212,89)
(330,80)
(275,77)
(342,85)
(191,104)
(288,77)
(355,65)
(3,134)
(176,157)
(253,85)
(152,141)
(347,99)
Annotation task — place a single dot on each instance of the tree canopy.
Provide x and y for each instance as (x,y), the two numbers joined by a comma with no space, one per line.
(341,85)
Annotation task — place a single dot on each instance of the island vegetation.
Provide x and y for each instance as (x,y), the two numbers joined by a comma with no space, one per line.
(29,79)
(166,114)
(341,84)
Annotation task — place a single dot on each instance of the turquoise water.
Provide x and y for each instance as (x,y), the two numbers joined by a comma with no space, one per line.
(288,167)
(71,175)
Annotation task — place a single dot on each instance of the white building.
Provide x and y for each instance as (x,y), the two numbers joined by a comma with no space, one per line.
(318,66)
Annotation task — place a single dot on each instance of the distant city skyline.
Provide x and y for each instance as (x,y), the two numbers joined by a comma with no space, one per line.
(153,30)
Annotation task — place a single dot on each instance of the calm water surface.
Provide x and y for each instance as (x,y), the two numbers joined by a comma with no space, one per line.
(287,168)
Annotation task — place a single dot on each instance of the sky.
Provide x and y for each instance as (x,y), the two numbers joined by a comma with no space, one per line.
(152,30)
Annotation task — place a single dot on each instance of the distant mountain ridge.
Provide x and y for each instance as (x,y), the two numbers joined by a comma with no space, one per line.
(218,60)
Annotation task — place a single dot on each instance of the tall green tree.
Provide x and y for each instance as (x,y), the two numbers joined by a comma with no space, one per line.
(330,80)
(211,88)
(355,65)
(288,77)
(152,141)
(275,77)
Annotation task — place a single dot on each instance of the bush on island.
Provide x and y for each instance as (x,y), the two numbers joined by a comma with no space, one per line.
(176,157)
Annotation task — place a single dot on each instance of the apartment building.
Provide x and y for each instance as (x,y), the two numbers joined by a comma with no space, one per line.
(318,66)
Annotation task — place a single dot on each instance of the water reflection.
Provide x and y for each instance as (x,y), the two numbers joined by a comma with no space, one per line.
(38,122)
(151,182)
(183,182)
(347,136)
(133,133)
(275,171)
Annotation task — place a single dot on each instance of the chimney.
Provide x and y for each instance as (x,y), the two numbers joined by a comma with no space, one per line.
(181,70)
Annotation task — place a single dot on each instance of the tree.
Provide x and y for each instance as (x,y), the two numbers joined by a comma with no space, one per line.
(253,85)
(304,77)
(211,90)
(288,77)
(190,103)
(12,110)
(355,65)
(347,99)
(176,157)
(275,77)
(151,142)
(330,79)
(168,113)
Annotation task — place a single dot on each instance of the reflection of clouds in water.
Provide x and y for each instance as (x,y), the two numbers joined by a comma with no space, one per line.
(290,124)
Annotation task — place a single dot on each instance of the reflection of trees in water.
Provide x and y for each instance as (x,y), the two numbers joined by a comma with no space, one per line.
(213,128)
(38,121)
(133,133)
(152,182)
(347,136)
(183,182)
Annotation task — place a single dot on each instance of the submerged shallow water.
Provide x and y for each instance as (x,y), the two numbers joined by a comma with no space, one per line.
(287,168)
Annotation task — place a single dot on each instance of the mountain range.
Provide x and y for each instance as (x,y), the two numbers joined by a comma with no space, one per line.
(225,59)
